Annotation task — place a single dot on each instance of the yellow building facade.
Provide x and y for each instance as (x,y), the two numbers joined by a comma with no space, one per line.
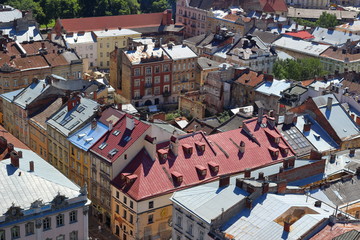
(107,40)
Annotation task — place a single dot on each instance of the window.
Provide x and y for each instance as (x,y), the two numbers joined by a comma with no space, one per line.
(131,218)
(137,72)
(107,45)
(150,219)
(157,69)
(137,82)
(148,71)
(60,220)
(101,54)
(117,194)
(29,228)
(124,214)
(201,235)
(101,45)
(179,220)
(137,94)
(157,79)
(131,204)
(46,224)
(60,237)
(2,234)
(151,204)
(157,90)
(125,200)
(166,68)
(190,228)
(117,209)
(15,232)
(73,216)
(166,78)
(107,63)
(107,54)
(74,235)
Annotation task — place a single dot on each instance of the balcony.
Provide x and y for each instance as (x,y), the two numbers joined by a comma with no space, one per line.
(148,85)
(166,93)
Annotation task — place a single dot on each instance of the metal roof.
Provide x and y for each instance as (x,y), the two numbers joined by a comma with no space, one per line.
(31,34)
(66,121)
(23,189)
(258,223)
(178,52)
(209,201)
(10,15)
(318,137)
(87,137)
(115,33)
(30,93)
(333,37)
(274,87)
(9,96)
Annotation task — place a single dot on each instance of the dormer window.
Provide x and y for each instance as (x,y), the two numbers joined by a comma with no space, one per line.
(200,146)
(214,167)
(178,177)
(201,170)
(103,145)
(284,149)
(187,149)
(163,154)
(274,152)
(131,178)
(274,136)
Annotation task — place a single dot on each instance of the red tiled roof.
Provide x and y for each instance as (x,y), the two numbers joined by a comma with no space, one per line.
(222,149)
(273,5)
(251,79)
(112,22)
(300,34)
(120,142)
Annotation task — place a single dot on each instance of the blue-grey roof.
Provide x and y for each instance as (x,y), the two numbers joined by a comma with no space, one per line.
(340,121)
(178,52)
(333,37)
(9,96)
(30,93)
(258,223)
(208,201)
(274,87)
(67,121)
(11,15)
(86,137)
(44,183)
(32,33)
(318,137)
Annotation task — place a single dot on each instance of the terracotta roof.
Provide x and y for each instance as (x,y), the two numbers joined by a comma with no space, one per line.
(10,139)
(344,53)
(300,34)
(307,82)
(251,79)
(112,22)
(157,177)
(117,144)
(231,17)
(273,5)
(353,87)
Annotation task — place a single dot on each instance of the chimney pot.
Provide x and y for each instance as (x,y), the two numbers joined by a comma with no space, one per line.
(10,147)
(14,157)
(317,203)
(31,163)
(242,147)
(224,181)
(352,152)
(332,158)
(20,154)
(261,176)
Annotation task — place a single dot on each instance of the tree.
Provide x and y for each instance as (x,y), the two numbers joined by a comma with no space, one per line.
(300,69)
(327,20)
(26,5)
(160,5)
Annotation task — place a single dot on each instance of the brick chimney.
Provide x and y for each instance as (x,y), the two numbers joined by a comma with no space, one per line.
(265,187)
(3,143)
(248,203)
(10,147)
(281,187)
(261,176)
(260,115)
(31,165)
(74,101)
(247,173)
(286,163)
(287,226)
(315,155)
(15,159)
(307,126)
(332,158)
(224,181)
(242,147)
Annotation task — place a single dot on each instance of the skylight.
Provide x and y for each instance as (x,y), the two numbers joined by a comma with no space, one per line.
(66,120)
(80,109)
(113,152)
(116,132)
(103,145)
(127,138)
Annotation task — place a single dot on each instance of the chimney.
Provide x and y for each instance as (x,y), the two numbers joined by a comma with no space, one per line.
(317,203)
(295,120)
(119,106)
(224,181)
(332,158)
(352,152)
(286,163)
(3,143)
(281,187)
(130,123)
(287,226)
(10,147)
(329,103)
(281,169)
(265,187)
(95,95)
(315,155)
(174,144)
(43,45)
(307,127)
(271,121)
(110,125)
(248,203)
(20,154)
(247,173)
(239,182)
(93,124)
(242,147)
(261,176)
(153,149)
(260,115)
(31,163)
(14,157)
(73,102)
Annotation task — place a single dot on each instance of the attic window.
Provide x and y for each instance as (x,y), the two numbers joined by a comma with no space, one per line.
(274,152)
(80,109)
(116,132)
(284,149)
(163,154)
(103,145)
(124,175)
(113,152)
(178,177)
(187,149)
(201,170)
(127,138)
(214,167)
(131,178)
(273,135)
(200,146)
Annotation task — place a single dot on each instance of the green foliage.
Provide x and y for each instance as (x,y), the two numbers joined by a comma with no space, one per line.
(28,5)
(300,69)
(326,20)
(172,116)
(224,116)
(155,5)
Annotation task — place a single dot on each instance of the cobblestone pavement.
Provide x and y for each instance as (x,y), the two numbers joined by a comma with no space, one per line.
(96,234)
